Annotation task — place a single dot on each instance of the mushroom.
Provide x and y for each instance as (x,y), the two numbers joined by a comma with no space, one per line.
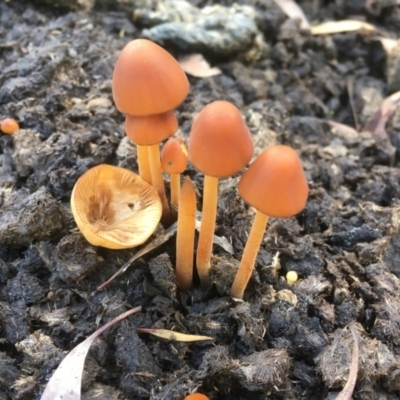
(174,159)
(220,145)
(196,396)
(185,235)
(147,84)
(115,208)
(9,126)
(292,277)
(276,186)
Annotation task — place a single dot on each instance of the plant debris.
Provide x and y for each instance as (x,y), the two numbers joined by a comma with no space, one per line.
(174,336)
(65,383)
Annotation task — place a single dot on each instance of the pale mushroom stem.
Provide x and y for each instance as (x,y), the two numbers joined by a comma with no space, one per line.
(175,189)
(209,213)
(185,236)
(158,181)
(143,163)
(249,255)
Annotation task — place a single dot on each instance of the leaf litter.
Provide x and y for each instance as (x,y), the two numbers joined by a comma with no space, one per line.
(65,383)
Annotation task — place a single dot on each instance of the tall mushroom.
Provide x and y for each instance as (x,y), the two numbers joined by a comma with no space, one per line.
(148,84)
(185,235)
(276,186)
(220,145)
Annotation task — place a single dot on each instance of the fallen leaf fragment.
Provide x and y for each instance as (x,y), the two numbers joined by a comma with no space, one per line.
(65,384)
(342,130)
(347,392)
(348,25)
(388,44)
(376,124)
(158,241)
(292,10)
(161,239)
(196,65)
(175,336)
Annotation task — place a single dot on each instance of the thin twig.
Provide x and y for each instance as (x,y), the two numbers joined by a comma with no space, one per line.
(348,389)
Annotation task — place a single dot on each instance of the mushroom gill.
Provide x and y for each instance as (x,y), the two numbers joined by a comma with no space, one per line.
(115,208)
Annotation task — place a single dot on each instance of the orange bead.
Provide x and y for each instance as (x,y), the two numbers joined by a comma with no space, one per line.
(9,126)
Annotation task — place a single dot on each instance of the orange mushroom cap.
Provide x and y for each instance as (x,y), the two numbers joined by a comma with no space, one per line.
(196,396)
(220,143)
(152,129)
(9,126)
(174,156)
(147,80)
(275,183)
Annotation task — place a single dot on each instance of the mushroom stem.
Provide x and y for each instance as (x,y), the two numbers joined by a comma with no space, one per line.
(143,163)
(207,228)
(158,181)
(185,236)
(249,255)
(175,189)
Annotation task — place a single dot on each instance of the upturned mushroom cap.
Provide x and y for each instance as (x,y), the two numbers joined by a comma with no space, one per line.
(174,156)
(114,208)
(275,183)
(220,143)
(147,80)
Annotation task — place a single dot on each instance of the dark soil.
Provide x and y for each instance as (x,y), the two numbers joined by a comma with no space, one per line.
(282,342)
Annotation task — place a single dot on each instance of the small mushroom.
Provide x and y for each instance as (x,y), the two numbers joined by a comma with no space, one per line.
(196,396)
(174,159)
(147,84)
(9,126)
(276,186)
(185,236)
(291,277)
(114,208)
(220,145)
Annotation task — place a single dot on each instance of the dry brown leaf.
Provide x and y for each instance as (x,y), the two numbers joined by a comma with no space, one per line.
(347,25)
(292,10)
(175,336)
(65,384)
(197,66)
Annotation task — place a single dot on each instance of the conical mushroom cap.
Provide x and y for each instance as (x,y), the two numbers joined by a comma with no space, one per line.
(147,80)
(220,143)
(151,129)
(275,183)
(114,208)
(174,156)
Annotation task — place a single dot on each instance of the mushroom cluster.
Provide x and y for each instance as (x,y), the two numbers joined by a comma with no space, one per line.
(115,208)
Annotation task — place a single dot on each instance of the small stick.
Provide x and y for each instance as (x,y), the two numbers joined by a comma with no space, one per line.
(348,389)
